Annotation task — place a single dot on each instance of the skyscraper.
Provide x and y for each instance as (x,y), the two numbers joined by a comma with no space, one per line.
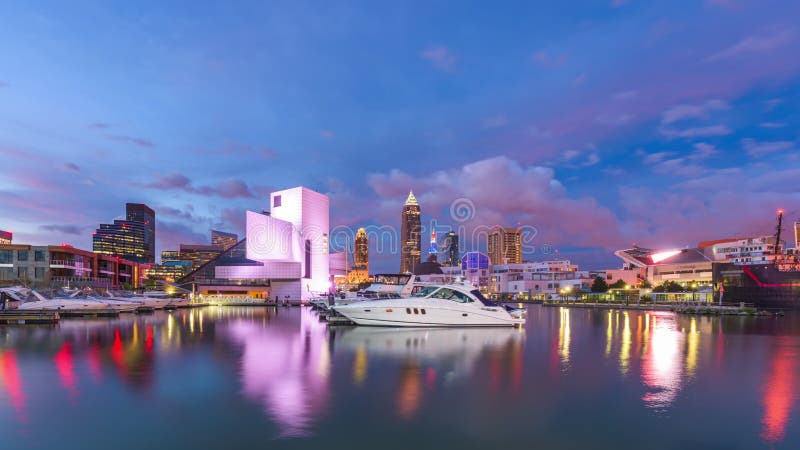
(451,249)
(797,235)
(361,251)
(433,250)
(133,239)
(223,239)
(505,246)
(141,213)
(410,235)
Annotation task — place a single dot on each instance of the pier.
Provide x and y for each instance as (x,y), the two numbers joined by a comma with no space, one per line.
(703,308)
(28,317)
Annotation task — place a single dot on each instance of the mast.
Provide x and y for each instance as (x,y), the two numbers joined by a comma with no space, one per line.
(777,248)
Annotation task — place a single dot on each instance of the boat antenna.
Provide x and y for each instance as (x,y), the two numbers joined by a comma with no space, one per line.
(778,236)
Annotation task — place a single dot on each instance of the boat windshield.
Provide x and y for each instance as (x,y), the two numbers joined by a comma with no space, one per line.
(452,294)
(425,291)
(483,299)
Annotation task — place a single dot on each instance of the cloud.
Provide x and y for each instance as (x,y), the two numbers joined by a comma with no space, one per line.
(327,134)
(3,84)
(772,124)
(702,150)
(545,59)
(757,149)
(170,235)
(139,142)
(226,189)
(504,191)
(755,44)
(498,121)
(707,131)
(72,167)
(63,229)
(655,158)
(100,126)
(697,111)
(625,95)
(618,3)
(441,57)
(678,167)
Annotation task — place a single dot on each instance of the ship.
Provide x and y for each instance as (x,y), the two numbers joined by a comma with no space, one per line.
(769,279)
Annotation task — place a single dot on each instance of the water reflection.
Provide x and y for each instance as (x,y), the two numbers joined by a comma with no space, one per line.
(427,357)
(780,392)
(285,368)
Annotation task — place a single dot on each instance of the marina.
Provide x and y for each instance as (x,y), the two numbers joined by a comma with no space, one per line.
(569,378)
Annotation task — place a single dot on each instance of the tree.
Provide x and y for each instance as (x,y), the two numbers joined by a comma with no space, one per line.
(668,286)
(619,284)
(599,285)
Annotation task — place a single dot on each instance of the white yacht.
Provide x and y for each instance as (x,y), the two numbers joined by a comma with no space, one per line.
(444,305)
(38,302)
(159,302)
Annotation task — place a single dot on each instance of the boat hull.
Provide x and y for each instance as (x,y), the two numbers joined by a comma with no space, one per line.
(762,285)
(425,313)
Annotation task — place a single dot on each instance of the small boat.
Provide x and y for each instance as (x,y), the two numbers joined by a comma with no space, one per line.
(456,304)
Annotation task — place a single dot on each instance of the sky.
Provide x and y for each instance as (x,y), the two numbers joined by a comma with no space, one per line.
(595,124)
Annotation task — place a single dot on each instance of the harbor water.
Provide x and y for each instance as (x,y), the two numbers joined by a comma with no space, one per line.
(258,377)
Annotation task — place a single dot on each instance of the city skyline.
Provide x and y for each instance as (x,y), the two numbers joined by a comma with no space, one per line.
(601,126)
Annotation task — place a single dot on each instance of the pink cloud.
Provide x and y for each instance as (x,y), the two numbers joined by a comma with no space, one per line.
(139,142)
(546,59)
(225,189)
(327,134)
(755,44)
(441,57)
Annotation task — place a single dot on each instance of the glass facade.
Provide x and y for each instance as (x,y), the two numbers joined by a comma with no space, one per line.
(132,239)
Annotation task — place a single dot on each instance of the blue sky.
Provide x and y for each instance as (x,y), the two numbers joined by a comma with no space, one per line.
(601,123)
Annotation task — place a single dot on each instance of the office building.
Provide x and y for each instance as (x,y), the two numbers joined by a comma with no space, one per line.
(133,239)
(223,239)
(410,235)
(5,237)
(505,246)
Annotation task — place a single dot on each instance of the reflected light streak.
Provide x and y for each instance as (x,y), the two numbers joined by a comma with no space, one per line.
(693,347)
(625,350)
(779,392)
(661,368)
(609,336)
(410,392)
(65,366)
(360,365)
(9,374)
(564,337)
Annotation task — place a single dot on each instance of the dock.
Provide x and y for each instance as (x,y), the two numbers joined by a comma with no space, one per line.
(741,309)
(28,317)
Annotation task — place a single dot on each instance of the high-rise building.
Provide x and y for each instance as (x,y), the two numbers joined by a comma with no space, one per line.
(139,212)
(361,251)
(505,246)
(433,250)
(5,237)
(451,249)
(797,235)
(223,239)
(170,256)
(410,235)
(133,239)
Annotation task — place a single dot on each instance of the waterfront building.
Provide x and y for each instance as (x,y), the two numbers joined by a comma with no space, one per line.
(61,265)
(361,250)
(168,271)
(223,239)
(475,269)
(199,254)
(537,280)
(683,266)
(451,249)
(433,250)
(410,235)
(505,246)
(170,256)
(283,256)
(5,237)
(133,239)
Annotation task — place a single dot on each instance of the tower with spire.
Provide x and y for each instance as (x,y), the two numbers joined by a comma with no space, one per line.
(433,250)
(410,235)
